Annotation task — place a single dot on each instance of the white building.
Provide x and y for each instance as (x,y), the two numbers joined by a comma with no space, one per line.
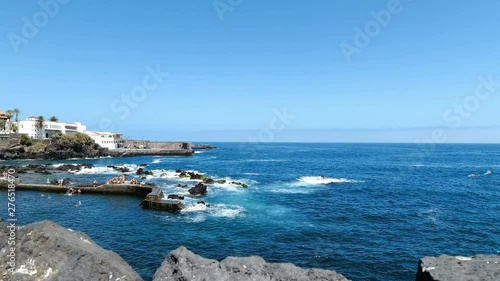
(29,128)
(107,139)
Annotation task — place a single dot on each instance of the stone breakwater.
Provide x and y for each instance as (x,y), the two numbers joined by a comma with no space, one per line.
(47,251)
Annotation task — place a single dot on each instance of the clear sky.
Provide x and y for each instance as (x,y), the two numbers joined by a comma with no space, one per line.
(342,70)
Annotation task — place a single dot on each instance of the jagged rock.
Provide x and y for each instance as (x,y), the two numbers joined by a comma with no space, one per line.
(220,181)
(183,264)
(203,203)
(47,251)
(175,196)
(240,184)
(76,167)
(183,175)
(208,181)
(119,169)
(140,171)
(448,268)
(198,190)
(195,176)
(182,185)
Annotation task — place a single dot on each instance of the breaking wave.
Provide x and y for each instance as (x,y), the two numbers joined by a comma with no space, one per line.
(216,210)
(323,180)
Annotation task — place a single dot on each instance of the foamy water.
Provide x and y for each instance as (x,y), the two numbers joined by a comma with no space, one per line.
(323,180)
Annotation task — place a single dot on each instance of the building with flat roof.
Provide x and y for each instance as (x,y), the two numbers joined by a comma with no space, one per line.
(29,127)
(107,139)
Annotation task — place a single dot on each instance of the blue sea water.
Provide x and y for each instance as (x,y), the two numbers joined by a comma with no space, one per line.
(375,211)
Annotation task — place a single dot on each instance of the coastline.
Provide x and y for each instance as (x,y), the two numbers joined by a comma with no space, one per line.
(277,189)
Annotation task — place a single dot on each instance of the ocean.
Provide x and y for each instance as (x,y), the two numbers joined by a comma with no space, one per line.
(367,211)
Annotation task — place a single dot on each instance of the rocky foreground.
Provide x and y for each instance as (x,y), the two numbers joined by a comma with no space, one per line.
(47,251)
(448,268)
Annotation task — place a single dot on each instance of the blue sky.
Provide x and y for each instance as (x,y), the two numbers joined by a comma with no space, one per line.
(230,71)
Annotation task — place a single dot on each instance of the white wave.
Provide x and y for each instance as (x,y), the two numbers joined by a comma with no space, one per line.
(199,152)
(194,208)
(418,165)
(216,210)
(252,174)
(95,170)
(227,211)
(156,161)
(291,190)
(323,180)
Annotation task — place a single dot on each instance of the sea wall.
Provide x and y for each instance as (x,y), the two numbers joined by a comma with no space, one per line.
(9,140)
(144,147)
(144,144)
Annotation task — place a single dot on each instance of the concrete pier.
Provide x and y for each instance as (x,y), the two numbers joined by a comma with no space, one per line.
(124,189)
(155,201)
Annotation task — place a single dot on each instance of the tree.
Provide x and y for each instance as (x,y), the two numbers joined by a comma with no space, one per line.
(9,113)
(13,127)
(25,140)
(17,111)
(54,119)
(2,124)
(40,123)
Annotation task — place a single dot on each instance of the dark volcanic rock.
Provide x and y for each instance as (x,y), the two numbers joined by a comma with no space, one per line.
(195,176)
(119,169)
(175,196)
(140,171)
(74,167)
(198,190)
(182,264)
(239,183)
(448,268)
(47,251)
(208,180)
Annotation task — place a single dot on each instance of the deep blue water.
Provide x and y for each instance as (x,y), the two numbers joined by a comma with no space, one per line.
(387,206)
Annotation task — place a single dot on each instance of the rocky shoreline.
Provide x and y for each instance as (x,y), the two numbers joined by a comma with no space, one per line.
(47,251)
(55,151)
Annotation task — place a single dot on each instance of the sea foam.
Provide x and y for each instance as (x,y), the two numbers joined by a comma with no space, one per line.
(323,180)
